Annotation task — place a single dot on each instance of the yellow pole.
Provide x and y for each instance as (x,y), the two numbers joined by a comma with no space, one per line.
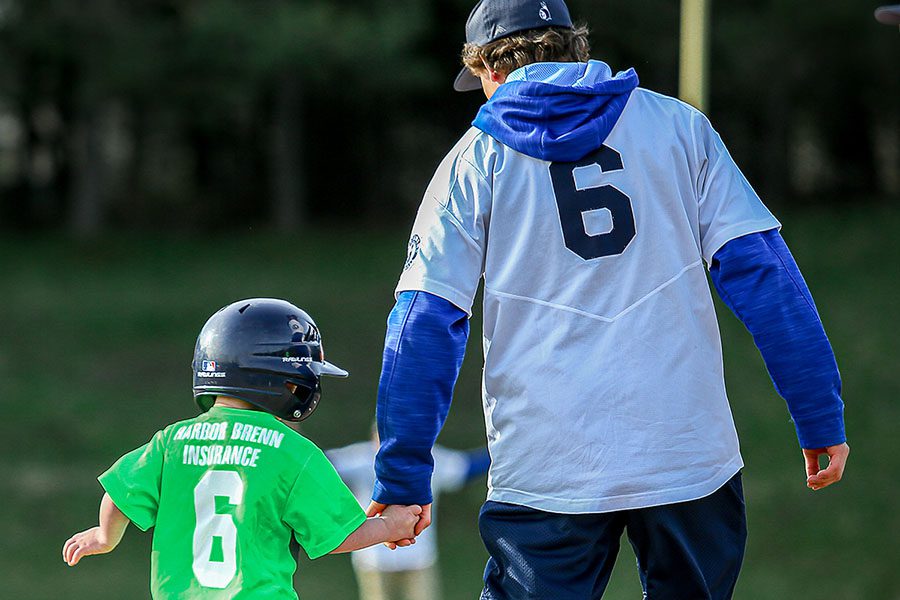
(694,53)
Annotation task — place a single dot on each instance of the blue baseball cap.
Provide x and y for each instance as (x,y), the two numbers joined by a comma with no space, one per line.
(491,20)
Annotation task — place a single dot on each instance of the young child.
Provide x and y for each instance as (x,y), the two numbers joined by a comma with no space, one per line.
(226,490)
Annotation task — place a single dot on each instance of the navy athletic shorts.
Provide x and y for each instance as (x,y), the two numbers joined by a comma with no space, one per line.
(685,551)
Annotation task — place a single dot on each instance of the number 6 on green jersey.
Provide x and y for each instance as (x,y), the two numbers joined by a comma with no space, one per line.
(213,528)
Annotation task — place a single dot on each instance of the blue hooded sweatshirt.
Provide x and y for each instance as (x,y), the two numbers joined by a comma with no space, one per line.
(557,111)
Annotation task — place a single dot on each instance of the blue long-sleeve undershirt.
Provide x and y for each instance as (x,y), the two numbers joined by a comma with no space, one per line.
(756,276)
(423,350)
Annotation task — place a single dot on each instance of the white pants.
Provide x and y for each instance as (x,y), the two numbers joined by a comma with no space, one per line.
(421,584)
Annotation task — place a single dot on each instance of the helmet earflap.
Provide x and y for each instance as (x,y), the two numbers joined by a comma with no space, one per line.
(306,399)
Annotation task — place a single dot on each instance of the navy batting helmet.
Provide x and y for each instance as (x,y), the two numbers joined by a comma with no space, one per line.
(264,351)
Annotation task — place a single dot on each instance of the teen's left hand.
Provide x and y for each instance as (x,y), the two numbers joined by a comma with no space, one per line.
(816,478)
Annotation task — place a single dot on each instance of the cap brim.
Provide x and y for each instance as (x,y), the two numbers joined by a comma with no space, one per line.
(326,368)
(889,15)
(466,82)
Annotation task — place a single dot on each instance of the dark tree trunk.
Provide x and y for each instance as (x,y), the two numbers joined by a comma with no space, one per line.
(287,171)
(87,207)
(776,160)
(135,168)
(886,139)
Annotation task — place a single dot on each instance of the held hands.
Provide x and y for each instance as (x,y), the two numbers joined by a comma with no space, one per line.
(817,479)
(395,523)
(401,521)
(87,543)
(421,518)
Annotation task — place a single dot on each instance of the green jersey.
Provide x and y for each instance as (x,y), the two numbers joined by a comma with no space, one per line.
(225,491)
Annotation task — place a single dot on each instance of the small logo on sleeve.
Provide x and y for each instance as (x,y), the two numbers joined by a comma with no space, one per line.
(412,250)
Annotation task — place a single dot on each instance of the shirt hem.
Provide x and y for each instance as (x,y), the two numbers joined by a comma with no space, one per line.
(441,290)
(735,231)
(117,491)
(621,502)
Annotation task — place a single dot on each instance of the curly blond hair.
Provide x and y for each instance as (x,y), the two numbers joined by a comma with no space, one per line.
(547,44)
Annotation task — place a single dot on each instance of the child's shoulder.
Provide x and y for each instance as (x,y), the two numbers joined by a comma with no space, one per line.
(255,426)
(173,428)
(297,439)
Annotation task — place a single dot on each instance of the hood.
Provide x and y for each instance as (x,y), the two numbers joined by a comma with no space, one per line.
(557,111)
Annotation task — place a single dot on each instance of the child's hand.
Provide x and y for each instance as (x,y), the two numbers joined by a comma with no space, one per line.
(97,540)
(401,521)
(86,543)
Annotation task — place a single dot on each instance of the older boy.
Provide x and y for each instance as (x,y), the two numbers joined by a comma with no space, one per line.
(589,206)
(226,490)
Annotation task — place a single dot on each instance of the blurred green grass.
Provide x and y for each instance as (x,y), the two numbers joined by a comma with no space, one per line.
(97,339)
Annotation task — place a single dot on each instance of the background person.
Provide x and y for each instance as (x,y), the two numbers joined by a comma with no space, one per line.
(409,573)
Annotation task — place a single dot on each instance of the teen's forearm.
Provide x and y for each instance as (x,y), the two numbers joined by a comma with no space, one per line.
(759,280)
(424,348)
(112,521)
(372,531)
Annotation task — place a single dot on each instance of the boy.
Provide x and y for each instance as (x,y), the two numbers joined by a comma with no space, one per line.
(589,206)
(226,490)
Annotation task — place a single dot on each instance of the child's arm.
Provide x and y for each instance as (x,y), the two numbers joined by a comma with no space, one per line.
(97,540)
(395,523)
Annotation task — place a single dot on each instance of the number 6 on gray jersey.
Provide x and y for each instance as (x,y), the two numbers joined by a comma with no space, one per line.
(574,202)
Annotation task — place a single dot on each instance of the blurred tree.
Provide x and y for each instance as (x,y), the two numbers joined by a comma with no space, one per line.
(215,71)
(208,113)
(807,96)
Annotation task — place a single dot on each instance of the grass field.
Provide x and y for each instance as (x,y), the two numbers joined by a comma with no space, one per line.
(96,342)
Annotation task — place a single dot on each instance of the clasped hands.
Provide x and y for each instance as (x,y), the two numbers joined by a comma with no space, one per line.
(376,508)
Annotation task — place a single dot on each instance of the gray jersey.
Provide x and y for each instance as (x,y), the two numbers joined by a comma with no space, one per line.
(603,382)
